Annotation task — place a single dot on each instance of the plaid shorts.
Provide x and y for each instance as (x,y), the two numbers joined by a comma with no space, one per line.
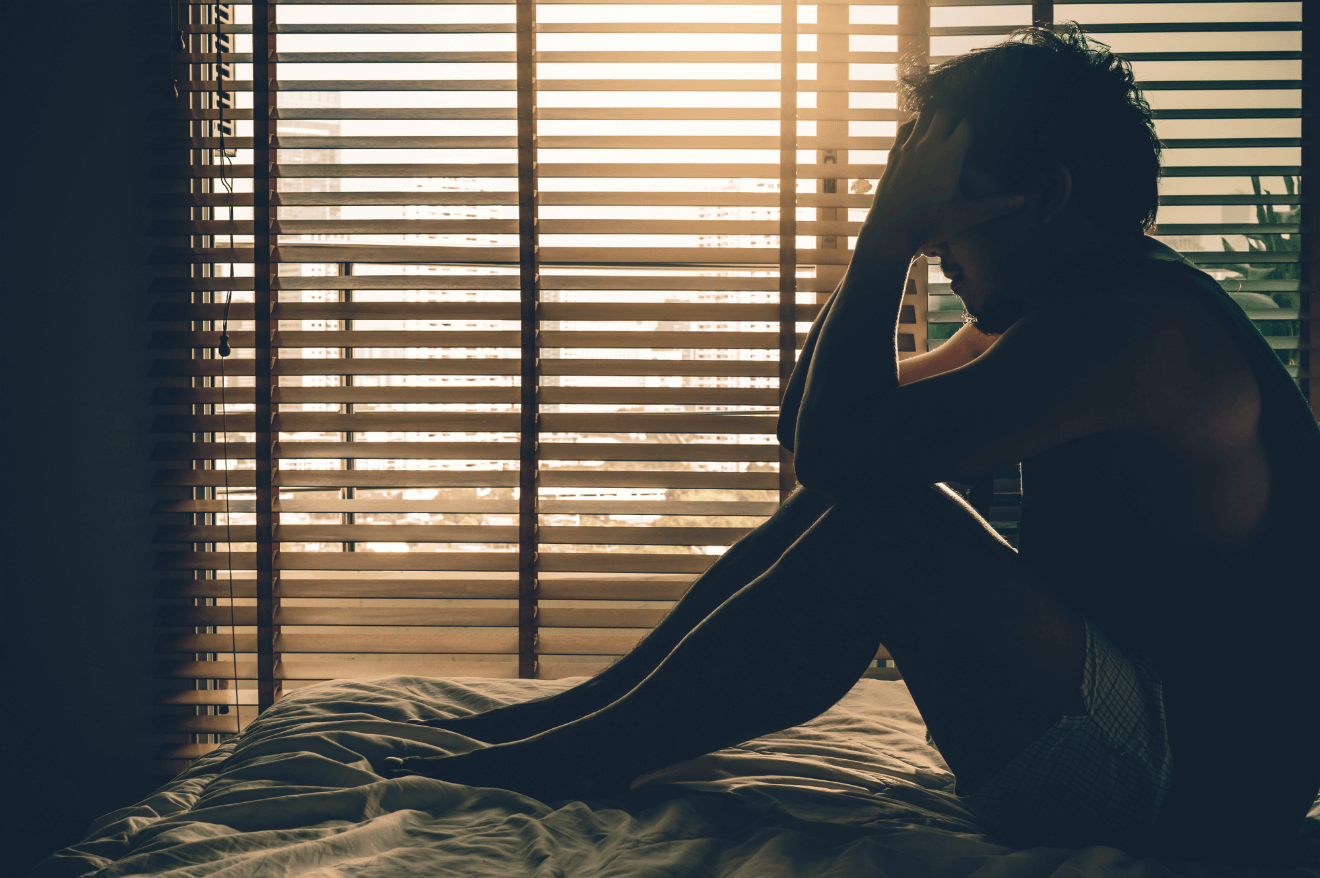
(1094,779)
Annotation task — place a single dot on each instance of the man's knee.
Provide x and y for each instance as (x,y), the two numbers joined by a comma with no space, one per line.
(918,517)
(794,517)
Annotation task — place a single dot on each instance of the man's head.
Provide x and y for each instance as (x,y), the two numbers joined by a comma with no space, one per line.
(1061,121)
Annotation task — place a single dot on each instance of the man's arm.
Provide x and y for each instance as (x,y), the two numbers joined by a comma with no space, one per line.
(961,349)
(966,345)
(786,427)
(1058,374)
(857,336)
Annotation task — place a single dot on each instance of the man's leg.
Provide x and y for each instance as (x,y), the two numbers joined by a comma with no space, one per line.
(742,563)
(991,659)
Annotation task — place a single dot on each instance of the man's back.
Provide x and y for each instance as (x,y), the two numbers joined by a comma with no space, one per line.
(1183,542)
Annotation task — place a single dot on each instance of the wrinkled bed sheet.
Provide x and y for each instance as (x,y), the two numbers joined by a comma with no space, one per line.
(857,791)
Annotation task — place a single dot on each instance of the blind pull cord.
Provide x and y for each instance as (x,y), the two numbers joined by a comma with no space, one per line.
(176,31)
(224,351)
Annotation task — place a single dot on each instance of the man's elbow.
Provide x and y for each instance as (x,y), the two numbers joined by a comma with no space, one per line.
(784,431)
(841,469)
(816,471)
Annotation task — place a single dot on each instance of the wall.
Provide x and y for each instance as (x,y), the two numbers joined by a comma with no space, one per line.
(75,530)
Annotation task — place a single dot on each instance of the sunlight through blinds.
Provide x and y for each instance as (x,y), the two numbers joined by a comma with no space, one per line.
(499,390)
(513,288)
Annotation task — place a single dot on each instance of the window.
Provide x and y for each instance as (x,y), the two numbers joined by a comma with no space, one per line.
(508,334)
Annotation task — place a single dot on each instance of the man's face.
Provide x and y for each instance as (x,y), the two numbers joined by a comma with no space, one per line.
(989,264)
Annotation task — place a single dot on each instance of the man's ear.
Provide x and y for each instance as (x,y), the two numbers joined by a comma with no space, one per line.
(1055,187)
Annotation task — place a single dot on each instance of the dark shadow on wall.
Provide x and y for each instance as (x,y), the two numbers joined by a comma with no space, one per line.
(75,448)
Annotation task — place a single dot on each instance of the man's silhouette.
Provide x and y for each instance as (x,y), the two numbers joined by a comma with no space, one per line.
(1141,673)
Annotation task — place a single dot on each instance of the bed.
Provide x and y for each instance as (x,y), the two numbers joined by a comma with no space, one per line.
(857,791)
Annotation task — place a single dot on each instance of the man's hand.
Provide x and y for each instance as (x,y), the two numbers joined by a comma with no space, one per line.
(965,346)
(919,201)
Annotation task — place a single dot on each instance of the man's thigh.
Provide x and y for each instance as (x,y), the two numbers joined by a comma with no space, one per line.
(991,657)
(1099,778)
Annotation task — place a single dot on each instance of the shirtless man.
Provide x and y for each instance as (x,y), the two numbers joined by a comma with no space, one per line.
(1141,673)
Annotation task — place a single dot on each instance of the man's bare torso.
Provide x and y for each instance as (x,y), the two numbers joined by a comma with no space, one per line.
(1143,517)
(1193,469)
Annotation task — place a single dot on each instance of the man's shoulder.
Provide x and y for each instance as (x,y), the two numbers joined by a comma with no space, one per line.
(1119,314)
(1154,283)
(1153,334)
(1155,301)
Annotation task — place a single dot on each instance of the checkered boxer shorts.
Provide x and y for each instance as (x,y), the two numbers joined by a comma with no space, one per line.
(1094,779)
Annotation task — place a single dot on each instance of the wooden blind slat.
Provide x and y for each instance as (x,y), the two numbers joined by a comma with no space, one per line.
(312,450)
(165,339)
(346,643)
(558,199)
(569,227)
(296,669)
(180,311)
(347,478)
(643,588)
(291,617)
(655,536)
(348,394)
(596,506)
(473,478)
(289,560)
(412,616)
(467,422)
(682,311)
(373,366)
(448,588)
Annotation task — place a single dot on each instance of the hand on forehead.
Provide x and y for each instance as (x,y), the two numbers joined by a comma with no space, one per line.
(974,182)
(977,183)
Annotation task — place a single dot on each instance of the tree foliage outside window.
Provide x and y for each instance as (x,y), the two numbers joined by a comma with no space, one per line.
(1261,242)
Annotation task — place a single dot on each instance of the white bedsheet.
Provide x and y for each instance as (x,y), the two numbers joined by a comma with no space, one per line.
(854,792)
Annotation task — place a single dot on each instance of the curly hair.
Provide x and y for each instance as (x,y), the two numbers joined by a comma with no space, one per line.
(1045,96)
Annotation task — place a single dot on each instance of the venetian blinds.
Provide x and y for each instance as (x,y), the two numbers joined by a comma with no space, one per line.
(514,287)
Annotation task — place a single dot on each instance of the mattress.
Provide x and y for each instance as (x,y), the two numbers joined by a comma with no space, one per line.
(856,791)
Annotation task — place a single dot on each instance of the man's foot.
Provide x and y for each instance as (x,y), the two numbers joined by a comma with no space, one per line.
(527,767)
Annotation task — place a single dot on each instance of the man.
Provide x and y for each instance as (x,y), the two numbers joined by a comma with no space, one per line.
(1138,675)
